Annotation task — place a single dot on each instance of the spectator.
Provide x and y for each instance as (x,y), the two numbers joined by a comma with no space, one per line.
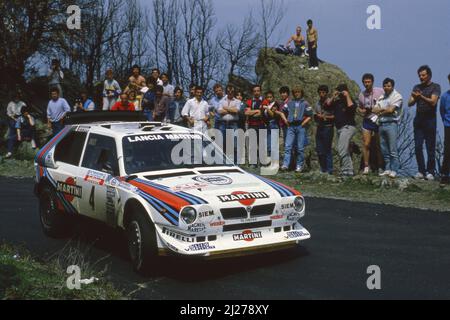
(155,78)
(148,103)
(161,105)
(133,98)
(192,88)
(168,88)
(284,94)
(111,91)
(299,42)
(13,112)
(445,113)
(124,104)
(324,116)
(344,119)
(240,98)
(388,110)
(426,96)
(228,112)
(57,110)
(196,112)
(254,114)
(136,82)
(176,107)
(56,76)
(273,117)
(84,103)
(299,115)
(313,38)
(26,127)
(367,101)
(215,103)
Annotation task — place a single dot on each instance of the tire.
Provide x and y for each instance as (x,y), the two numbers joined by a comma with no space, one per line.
(142,243)
(54,222)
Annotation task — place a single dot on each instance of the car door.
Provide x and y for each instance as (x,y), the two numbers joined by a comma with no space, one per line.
(65,178)
(99,163)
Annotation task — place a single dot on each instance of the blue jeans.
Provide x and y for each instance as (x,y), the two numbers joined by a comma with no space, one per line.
(324,143)
(388,142)
(148,114)
(57,127)
(12,135)
(295,135)
(270,127)
(425,129)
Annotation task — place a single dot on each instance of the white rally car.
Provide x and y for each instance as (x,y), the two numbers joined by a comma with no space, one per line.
(124,174)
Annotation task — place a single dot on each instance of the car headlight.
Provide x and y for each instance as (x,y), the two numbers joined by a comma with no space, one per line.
(189,215)
(299,204)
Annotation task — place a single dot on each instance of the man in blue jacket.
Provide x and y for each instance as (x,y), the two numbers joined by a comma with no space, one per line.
(299,115)
(445,114)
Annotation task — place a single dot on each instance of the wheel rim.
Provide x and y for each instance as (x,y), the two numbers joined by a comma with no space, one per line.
(47,210)
(135,243)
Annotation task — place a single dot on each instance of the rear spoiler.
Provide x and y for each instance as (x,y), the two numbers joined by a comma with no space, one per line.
(103,116)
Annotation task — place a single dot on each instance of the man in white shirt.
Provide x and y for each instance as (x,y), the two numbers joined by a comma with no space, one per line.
(13,111)
(196,112)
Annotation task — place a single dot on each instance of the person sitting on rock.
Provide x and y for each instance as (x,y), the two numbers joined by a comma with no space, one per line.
(299,42)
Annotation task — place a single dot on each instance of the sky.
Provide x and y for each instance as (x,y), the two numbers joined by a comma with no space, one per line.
(413,33)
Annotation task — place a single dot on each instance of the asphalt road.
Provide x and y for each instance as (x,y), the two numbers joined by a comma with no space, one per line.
(412,248)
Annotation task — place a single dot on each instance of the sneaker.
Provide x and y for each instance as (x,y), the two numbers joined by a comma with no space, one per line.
(385,173)
(298,169)
(284,169)
(366,171)
(430,177)
(393,175)
(310,69)
(316,68)
(419,176)
(8,155)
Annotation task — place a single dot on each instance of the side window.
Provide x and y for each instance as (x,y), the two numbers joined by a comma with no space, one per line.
(70,148)
(101,155)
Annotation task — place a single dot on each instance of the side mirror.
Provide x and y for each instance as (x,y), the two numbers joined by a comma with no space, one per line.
(49,160)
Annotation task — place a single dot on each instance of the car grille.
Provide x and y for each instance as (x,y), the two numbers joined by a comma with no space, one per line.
(245,226)
(241,213)
(234,213)
(262,211)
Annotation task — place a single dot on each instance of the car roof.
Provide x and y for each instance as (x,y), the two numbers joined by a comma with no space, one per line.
(122,129)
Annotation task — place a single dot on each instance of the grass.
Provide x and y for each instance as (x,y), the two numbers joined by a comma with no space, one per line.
(23,277)
(402,192)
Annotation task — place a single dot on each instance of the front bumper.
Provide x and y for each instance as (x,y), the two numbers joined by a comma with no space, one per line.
(232,244)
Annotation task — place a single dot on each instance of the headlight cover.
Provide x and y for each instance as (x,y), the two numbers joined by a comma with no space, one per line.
(299,204)
(189,215)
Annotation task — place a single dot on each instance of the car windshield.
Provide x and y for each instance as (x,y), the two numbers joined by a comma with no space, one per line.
(168,151)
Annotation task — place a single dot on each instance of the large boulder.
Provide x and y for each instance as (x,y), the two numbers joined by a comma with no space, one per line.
(277,70)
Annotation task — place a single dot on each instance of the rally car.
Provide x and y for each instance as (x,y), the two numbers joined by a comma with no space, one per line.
(153,180)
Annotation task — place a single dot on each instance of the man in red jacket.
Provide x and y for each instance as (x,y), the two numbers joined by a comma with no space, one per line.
(124,104)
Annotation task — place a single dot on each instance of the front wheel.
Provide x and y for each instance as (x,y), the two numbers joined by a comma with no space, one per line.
(53,221)
(142,243)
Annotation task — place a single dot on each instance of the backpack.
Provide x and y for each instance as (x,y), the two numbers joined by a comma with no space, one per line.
(282,50)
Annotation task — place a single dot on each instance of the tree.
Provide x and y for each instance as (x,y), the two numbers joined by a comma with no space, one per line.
(271,14)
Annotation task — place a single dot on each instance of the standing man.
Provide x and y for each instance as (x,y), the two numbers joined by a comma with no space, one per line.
(176,107)
(324,116)
(84,103)
(285,93)
(367,101)
(196,112)
(299,115)
(13,112)
(229,118)
(161,104)
(344,119)
(111,91)
(155,78)
(299,42)
(426,96)
(56,76)
(313,38)
(254,114)
(388,109)
(168,88)
(215,103)
(136,81)
(445,114)
(56,112)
